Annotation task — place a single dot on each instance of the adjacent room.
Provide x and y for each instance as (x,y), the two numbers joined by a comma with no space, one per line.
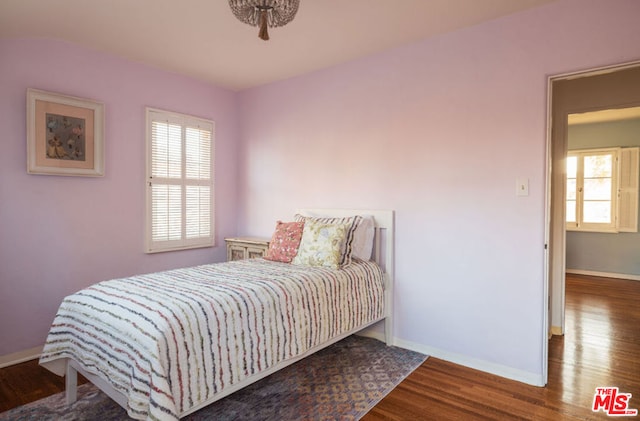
(423,129)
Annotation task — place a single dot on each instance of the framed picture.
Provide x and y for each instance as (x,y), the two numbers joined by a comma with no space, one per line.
(65,135)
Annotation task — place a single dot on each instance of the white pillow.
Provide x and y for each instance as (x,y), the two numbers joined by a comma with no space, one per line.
(362,246)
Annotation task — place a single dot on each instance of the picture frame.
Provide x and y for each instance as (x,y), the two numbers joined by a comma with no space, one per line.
(65,135)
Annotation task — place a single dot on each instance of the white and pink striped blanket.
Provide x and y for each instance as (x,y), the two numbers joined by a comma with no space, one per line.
(170,341)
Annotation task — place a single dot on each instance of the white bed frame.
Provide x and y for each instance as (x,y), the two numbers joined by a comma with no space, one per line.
(383,254)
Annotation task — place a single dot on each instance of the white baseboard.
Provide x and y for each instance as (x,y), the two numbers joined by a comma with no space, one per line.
(20,357)
(482,365)
(533,379)
(604,274)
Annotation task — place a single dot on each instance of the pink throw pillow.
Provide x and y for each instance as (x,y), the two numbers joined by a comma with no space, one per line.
(285,241)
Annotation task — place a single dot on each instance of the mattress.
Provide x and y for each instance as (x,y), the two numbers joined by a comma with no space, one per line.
(170,341)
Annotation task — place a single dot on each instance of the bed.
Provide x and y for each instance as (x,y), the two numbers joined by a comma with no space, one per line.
(166,344)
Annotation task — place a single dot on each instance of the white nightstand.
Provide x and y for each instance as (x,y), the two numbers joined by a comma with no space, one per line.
(239,248)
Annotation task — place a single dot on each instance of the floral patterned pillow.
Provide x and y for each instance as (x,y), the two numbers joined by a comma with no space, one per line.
(352,223)
(285,241)
(321,244)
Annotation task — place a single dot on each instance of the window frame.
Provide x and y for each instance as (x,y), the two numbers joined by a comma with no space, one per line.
(184,242)
(624,190)
(579,224)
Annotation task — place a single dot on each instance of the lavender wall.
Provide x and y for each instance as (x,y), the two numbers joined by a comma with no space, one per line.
(60,234)
(439,131)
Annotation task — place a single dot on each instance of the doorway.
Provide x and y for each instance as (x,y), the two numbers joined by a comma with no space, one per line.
(613,87)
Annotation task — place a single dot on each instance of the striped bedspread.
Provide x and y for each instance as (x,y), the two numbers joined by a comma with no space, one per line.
(171,340)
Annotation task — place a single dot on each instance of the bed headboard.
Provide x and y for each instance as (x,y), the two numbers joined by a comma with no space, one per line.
(383,248)
(384,231)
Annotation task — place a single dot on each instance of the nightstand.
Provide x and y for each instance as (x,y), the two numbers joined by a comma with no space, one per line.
(239,248)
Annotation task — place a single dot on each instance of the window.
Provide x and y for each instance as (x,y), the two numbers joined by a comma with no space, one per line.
(179,181)
(602,190)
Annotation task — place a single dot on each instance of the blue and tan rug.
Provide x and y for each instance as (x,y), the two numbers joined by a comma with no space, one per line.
(341,382)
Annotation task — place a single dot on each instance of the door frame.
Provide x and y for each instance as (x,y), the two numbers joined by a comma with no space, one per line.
(558,108)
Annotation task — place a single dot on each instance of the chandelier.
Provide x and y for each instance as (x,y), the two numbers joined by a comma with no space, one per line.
(264,13)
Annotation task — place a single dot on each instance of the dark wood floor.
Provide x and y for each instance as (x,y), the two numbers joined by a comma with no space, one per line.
(601,347)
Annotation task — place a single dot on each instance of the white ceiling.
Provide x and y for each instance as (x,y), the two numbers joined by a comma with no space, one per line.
(202,38)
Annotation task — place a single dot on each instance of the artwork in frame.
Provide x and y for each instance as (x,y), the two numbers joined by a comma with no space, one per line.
(65,135)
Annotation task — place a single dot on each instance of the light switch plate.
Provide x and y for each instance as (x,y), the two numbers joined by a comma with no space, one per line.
(522,186)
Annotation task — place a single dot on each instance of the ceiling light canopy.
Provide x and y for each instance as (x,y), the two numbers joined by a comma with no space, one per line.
(265,13)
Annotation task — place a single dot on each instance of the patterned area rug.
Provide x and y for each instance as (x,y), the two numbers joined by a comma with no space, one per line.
(341,382)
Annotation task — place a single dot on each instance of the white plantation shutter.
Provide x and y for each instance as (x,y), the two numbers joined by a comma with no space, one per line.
(179,181)
(628,190)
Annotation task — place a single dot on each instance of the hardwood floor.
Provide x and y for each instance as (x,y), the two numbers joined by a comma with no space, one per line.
(601,347)
(27,382)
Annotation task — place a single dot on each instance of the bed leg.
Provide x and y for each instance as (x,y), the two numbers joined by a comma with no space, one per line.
(388,331)
(388,321)
(71,384)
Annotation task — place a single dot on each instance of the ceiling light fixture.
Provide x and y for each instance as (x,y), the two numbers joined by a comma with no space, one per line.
(264,13)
